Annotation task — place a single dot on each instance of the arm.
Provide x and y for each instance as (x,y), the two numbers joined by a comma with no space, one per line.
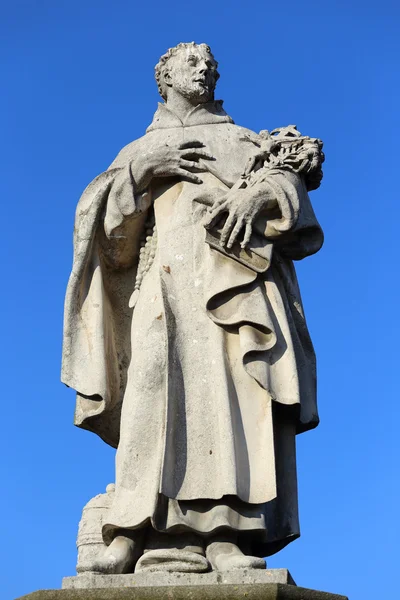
(129,197)
(276,207)
(125,212)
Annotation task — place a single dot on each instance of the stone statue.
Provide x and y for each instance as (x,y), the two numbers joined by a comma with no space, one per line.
(185,337)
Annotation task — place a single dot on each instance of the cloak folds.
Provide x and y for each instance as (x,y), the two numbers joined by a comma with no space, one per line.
(96,346)
(245,333)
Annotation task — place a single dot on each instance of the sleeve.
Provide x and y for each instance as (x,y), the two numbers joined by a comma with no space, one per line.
(125,213)
(289,220)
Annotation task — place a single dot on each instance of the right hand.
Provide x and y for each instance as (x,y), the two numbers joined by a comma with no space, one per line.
(176,161)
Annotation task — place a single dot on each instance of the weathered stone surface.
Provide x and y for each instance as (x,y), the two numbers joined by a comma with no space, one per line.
(237,577)
(90,541)
(255,591)
(185,337)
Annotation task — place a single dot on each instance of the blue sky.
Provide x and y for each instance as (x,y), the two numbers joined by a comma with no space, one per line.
(77,86)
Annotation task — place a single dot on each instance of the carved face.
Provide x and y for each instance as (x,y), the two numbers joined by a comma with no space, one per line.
(193,73)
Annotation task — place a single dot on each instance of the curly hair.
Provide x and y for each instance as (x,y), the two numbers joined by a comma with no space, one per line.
(162,63)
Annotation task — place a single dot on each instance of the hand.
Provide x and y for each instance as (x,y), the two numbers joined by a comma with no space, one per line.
(242,206)
(173,161)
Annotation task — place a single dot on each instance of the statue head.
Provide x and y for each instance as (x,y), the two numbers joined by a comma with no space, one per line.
(190,69)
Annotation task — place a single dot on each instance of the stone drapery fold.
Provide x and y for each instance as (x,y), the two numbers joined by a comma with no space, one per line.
(109,221)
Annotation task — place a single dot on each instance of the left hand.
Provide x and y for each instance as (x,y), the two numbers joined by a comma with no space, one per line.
(242,207)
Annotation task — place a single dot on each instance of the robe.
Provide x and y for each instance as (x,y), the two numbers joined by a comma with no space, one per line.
(203,385)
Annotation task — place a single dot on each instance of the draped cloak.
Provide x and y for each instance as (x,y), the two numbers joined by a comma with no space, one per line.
(214,369)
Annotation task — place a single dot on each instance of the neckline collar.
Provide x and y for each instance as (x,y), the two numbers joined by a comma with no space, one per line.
(203,114)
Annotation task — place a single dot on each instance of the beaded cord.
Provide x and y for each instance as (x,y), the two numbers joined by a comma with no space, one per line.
(147,252)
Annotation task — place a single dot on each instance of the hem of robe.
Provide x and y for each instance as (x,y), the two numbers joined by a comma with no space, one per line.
(261,529)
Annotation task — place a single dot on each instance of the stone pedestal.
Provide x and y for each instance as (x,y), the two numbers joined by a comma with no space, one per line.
(255,591)
(272,584)
(161,579)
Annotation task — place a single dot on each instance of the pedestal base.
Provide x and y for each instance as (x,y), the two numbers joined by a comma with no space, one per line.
(161,579)
(218,591)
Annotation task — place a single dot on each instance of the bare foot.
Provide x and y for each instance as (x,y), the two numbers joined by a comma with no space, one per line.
(119,557)
(226,556)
